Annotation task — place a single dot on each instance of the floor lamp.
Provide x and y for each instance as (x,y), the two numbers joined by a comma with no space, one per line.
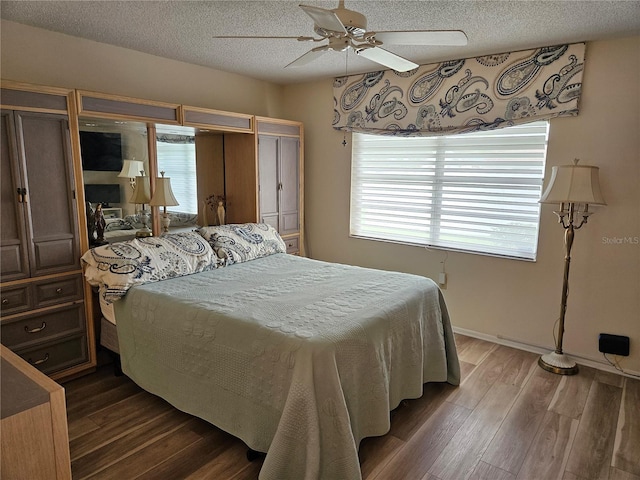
(574,187)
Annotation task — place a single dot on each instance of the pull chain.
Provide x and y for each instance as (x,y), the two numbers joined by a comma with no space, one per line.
(346,75)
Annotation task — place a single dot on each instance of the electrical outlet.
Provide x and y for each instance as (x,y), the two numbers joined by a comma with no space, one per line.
(442,278)
(614,344)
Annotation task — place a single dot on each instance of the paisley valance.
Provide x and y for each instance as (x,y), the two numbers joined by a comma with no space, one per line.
(461,96)
(175,138)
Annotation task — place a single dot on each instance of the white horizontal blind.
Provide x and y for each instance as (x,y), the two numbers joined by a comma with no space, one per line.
(475,192)
(178,161)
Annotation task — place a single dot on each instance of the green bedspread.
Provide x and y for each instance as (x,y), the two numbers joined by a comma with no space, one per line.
(298,358)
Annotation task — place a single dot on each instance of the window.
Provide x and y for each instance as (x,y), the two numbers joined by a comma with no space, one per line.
(475,192)
(178,161)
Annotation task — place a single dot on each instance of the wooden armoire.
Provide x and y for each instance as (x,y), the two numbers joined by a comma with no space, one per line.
(264,179)
(43,309)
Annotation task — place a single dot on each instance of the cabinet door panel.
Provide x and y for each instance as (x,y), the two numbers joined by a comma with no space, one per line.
(270,220)
(288,223)
(268,176)
(289,161)
(54,253)
(44,143)
(14,263)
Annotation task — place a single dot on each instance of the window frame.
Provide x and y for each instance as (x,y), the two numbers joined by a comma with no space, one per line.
(518,224)
(177,175)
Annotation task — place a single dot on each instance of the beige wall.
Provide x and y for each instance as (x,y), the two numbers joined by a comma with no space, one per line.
(42,57)
(513,299)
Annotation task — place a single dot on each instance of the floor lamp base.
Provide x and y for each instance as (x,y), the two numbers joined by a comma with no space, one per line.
(558,363)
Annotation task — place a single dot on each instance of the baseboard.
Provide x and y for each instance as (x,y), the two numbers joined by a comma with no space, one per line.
(541,349)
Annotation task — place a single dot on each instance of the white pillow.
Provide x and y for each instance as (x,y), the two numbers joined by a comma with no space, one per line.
(237,243)
(119,266)
(134,220)
(113,224)
(179,219)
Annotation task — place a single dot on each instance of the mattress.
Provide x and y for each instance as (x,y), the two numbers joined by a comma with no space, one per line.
(107,310)
(298,358)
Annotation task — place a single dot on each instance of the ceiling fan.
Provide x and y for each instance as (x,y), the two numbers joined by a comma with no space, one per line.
(344,29)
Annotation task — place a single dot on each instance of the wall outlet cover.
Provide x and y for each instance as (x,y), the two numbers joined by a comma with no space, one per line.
(614,344)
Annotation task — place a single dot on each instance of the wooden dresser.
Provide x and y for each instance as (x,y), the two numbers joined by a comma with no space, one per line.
(34,437)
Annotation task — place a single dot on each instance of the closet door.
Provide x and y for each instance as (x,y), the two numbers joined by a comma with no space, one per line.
(268,187)
(289,185)
(14,263)
(43,145)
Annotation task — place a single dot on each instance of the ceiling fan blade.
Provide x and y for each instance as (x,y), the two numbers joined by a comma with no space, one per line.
(325,19)
(423,37)
(386,58)
(308,57)
(259,37)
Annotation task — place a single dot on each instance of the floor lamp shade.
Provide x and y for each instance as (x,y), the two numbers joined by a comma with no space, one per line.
(574,188)
(574,184)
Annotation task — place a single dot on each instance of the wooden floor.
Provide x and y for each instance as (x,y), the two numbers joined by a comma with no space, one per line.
(509,420)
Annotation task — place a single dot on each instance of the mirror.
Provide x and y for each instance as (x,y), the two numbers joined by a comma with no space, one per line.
(192,160)
(106,145)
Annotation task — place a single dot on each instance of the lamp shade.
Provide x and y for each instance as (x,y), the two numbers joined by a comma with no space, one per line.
(574,184)
(163,195)
(141,194)
(131,168)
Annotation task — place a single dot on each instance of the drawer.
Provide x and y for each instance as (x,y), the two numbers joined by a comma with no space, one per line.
(30,329)
(15,299)
(56,356)
(292,244)
(57,290)
(42,293)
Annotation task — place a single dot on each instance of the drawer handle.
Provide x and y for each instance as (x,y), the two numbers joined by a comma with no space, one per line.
(36,330)
(59,291)
(22,195)
(5,301)
(42,360)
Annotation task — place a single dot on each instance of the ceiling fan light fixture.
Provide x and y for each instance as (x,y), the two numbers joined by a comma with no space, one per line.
(339,44)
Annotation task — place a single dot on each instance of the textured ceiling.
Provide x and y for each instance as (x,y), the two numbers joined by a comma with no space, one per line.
(184,30)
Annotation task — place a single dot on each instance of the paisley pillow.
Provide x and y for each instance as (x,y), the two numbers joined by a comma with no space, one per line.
(179,219)
(237,243)
(117,267)
(134,220)
(113,224)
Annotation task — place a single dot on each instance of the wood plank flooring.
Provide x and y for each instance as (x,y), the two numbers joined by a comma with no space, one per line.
(508,420)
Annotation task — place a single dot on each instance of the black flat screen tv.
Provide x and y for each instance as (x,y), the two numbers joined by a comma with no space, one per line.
(101,151)
(102,193)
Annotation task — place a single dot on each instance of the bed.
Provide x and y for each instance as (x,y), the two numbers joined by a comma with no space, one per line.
(299,358)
